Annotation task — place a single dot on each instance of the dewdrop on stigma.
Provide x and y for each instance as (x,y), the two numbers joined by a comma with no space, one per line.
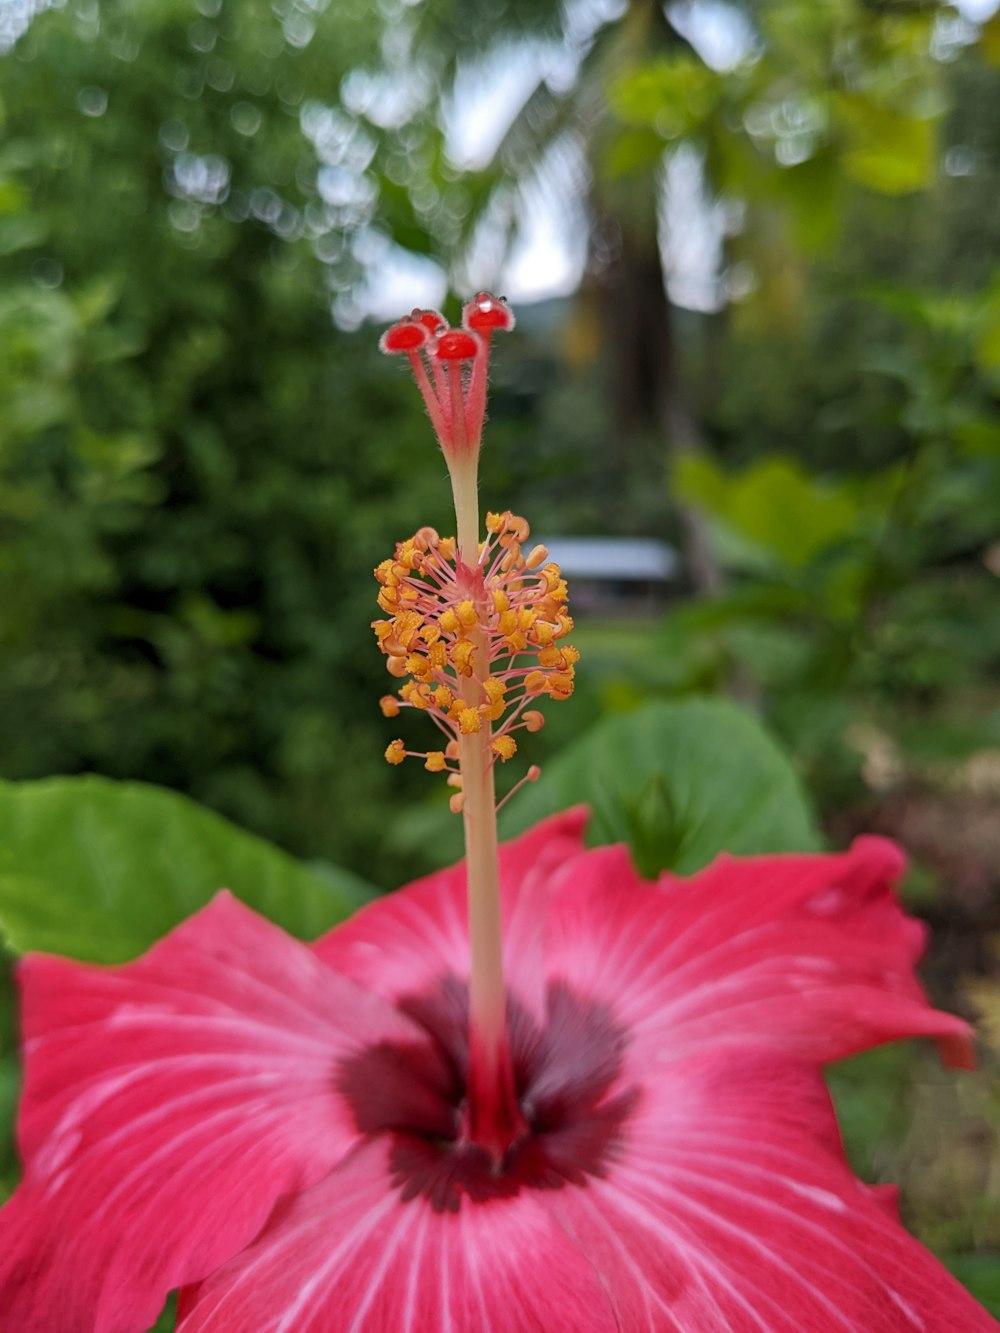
(475,630)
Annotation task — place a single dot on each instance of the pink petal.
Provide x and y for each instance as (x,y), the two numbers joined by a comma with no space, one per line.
(168,1103)
(731,1208)
(391,945)
(350,1256)
(810,954)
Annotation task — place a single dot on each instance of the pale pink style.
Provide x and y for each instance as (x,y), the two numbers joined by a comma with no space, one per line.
(277,1128)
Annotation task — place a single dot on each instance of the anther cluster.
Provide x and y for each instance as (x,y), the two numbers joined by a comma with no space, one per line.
(501,625)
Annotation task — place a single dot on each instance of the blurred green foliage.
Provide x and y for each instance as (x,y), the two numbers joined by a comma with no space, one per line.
(860,595)
(196,473)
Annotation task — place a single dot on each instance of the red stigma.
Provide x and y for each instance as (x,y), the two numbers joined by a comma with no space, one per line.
(450,367)
(488,312)
(432,321)
(456,346)
(405,336)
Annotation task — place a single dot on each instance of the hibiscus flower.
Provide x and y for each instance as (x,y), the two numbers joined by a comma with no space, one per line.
(532,1092)
(281,1129)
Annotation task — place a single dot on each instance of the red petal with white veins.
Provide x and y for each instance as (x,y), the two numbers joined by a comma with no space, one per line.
(350,1255)
(731,1209)
(805,954)
(399,944)
(168,1103)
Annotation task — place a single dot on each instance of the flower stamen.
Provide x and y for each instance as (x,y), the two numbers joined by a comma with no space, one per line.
(469,661)
(470,628)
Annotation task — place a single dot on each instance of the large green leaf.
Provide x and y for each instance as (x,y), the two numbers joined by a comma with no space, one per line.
(679,782)
(99,869)
(779,513)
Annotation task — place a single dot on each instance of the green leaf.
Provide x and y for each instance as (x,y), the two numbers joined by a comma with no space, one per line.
(774,505)
(680,782)
(672,94)
(987,351)
(989,40)
(100,870)
(885,150)
(979,1273)
(168,1318)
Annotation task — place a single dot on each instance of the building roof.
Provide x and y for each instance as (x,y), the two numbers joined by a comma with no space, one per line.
(614,558)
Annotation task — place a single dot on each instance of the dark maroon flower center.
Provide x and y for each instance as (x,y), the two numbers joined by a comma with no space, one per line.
(565,1074)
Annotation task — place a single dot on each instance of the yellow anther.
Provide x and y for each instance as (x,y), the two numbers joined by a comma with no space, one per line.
(512,558)
(396,666)
(505,747)
(495,689)
(407,626)
(469,720)
(542,632)
(456,803)
(417,695)
(570,655)
(395,752)
(565,626)
(434,763)
(560,684)
(419,666)
(467,614)
(388,600)
(408,555)
(501,601)
(446,549)
(552,575)
(462,655)
(383,629)
(438,656)
(384,574)
(537,556)
(389,705)
(448,621)
(535,682)
(408,594)
(519,527)
(533,719)
(517,642)
(495,522)
(507,623)
(526,617)
(443,698)
(550,657)
(430,633)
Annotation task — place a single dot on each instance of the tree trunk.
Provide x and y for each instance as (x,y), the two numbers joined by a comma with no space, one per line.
(640,325)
